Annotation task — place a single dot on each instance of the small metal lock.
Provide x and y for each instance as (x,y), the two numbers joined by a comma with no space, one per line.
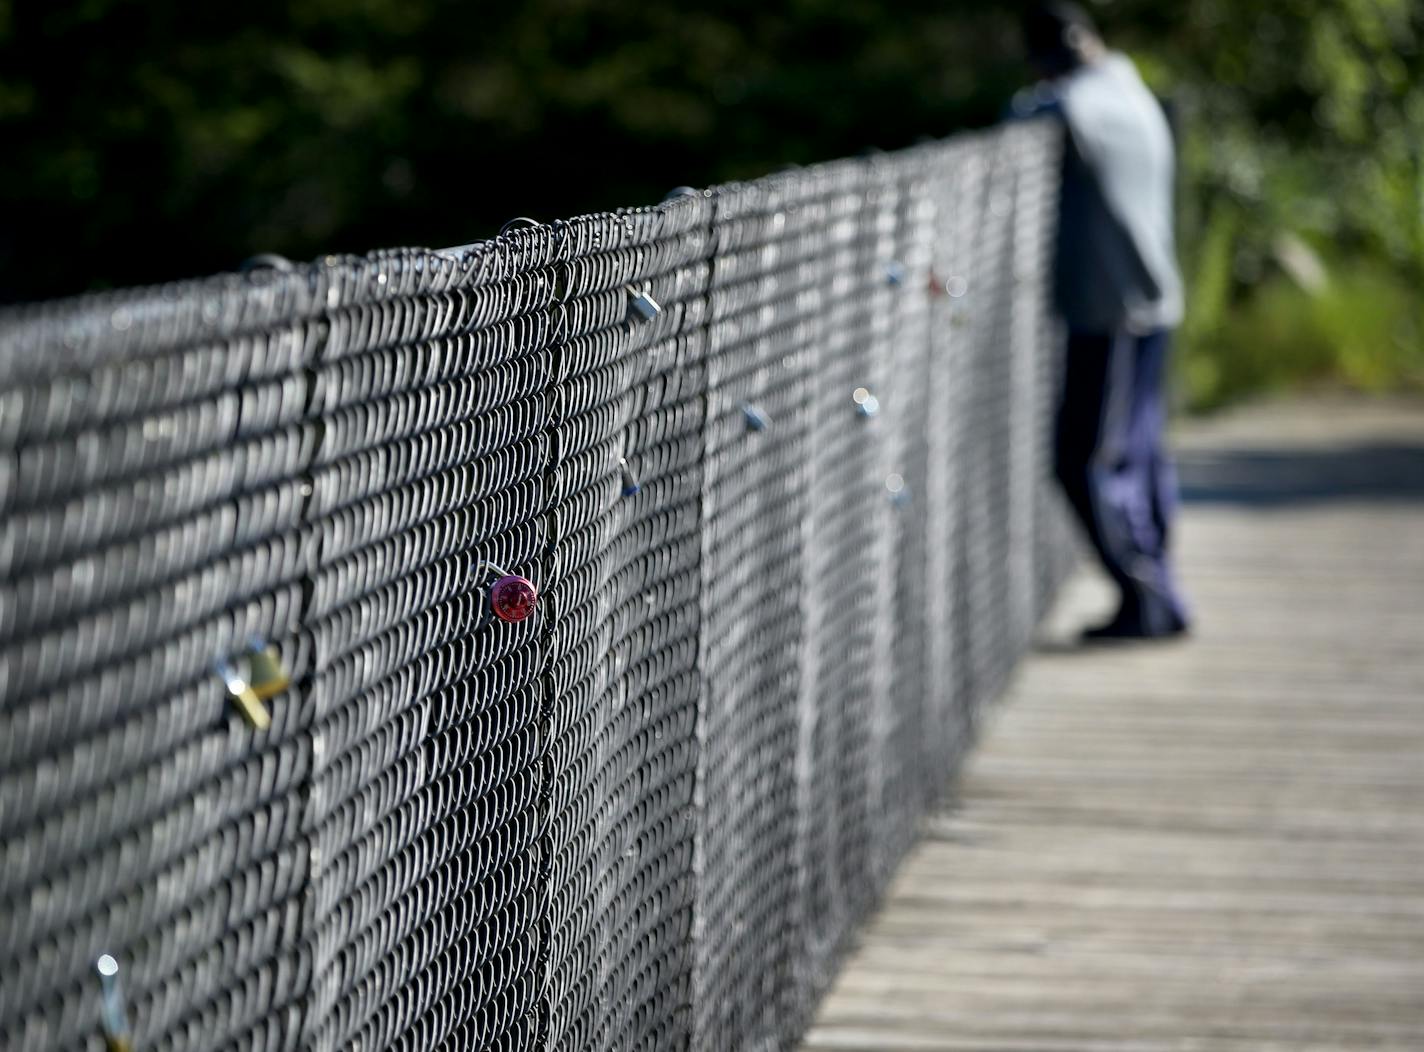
(866,404)
(112,1016)
(265,671)
(630,481)
(755,418)
(512,598)
(642,304)
(253,679)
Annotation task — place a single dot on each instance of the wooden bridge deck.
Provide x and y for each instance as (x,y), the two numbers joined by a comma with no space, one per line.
(1216,845)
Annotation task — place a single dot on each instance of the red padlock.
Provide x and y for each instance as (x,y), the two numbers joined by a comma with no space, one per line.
(512,598)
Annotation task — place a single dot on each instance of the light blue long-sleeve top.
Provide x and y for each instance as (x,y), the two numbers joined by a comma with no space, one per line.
(1117,260)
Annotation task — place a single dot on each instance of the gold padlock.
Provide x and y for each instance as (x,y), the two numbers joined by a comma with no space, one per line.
(254,678)
(266,675)
(247,700)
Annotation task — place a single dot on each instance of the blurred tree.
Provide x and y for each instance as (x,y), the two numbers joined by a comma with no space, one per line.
(1315,111)
(155,140)
(1305,127)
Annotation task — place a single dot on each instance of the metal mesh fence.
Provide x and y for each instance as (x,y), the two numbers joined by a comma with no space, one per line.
(774,456)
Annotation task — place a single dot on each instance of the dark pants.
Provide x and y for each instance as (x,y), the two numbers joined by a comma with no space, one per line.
(1115,472)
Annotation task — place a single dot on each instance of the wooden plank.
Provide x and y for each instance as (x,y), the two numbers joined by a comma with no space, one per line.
(1213,846)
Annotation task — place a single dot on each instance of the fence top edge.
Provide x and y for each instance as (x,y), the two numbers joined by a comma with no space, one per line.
(41,340)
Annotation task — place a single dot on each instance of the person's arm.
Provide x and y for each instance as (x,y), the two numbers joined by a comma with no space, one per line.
(1036,100)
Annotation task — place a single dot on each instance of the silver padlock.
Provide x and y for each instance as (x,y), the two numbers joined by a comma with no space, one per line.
(630,481)
(642,304)
(755,418)
(112,1016)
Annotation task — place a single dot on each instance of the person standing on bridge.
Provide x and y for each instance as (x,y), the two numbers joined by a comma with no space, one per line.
(1118,288)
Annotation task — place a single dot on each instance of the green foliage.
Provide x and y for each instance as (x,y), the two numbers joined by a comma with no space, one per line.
(1301,118)
(154,140)
(1361,330)
(159,139)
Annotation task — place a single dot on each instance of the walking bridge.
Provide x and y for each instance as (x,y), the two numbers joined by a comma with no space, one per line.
(556,643)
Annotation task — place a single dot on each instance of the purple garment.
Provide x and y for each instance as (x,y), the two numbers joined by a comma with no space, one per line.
(1115,471)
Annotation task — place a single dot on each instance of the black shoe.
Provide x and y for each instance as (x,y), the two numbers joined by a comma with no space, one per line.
(1132,629)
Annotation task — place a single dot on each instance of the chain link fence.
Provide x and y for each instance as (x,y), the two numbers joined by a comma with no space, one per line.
(774,456)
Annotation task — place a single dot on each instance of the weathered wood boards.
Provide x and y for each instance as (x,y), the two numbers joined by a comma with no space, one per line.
(1217,846)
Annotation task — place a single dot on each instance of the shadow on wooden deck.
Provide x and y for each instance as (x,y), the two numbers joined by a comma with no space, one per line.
(1216,845)
(1389,471)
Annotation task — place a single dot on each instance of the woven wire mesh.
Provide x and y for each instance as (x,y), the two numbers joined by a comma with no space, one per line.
(775,455)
